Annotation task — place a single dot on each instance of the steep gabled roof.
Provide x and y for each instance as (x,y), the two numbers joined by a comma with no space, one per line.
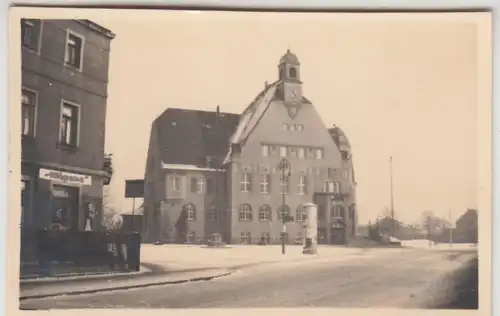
(189,136)
(253,113)
(338,136)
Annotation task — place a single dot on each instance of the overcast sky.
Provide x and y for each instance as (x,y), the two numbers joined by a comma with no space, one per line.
(396,86)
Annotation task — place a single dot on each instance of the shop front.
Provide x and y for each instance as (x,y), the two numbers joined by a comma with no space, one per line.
(60,200)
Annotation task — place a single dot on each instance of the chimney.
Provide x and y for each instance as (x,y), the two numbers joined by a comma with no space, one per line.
(266,84)
(208,161)
(217,115)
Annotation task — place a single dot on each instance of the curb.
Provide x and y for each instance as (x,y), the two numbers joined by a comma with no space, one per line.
(115,276)
(132,286)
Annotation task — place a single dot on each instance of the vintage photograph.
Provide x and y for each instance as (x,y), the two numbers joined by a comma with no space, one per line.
(202,159)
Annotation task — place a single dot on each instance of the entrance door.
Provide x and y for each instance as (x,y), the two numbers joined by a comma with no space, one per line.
(337,236)
(65,207)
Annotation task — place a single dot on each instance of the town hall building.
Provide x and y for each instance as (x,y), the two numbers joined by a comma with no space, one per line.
(217,173)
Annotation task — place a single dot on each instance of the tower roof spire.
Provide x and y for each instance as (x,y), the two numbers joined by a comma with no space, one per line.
(289,58)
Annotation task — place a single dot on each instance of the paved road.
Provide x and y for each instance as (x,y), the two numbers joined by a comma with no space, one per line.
(399,278)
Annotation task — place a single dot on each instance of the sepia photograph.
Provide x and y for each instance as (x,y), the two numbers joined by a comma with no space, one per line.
(210,159)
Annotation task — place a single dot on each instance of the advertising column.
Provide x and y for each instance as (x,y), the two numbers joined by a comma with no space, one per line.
(311,240)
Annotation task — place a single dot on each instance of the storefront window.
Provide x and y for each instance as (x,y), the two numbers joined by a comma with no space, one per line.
(65,208)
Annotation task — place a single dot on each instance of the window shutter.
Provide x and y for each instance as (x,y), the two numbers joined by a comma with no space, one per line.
(194,213)
(193,185)
(251,213)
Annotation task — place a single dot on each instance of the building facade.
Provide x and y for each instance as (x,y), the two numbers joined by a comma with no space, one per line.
(229,181)
(64,95)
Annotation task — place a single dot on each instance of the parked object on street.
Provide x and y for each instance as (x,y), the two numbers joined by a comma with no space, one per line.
(216,241)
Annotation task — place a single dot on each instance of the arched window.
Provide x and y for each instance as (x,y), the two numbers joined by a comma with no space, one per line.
(301,213)
(245,212)
(265,213)
(283,210)
(292,72)
(190,211)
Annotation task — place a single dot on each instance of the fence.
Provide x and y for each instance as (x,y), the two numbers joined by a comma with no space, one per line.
(118,251)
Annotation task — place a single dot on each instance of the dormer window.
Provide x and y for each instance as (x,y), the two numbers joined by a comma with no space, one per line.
(292,72)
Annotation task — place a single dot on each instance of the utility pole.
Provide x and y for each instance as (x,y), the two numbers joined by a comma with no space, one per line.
(284,167)
(392,199)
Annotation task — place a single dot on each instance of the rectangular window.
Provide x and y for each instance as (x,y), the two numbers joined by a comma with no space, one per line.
(319,153)
(175,183)
(301,153)
(30,33)
(284,185)
(337,187)
(246,182)
(74,50)
(69,124)
(283,151)
(200,186)
(302,185)
(245,238)
(28,110)
(264,184)
(329,187)
(265,150)
(66,209)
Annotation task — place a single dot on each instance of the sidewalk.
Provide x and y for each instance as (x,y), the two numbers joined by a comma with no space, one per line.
(170,264)
(110,284)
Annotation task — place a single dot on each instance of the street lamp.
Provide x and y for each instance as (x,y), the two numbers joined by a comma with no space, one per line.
(284,167)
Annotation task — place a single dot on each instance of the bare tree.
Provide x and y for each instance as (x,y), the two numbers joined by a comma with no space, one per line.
(108,210)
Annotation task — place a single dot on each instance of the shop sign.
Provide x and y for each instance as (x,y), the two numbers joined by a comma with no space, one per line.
(65,177)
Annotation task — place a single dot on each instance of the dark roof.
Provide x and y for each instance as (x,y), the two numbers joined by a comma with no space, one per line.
(290,58)
(336,133)
(189,136)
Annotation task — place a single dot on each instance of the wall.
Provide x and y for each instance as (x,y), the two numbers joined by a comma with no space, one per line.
(270,130)
(46,74)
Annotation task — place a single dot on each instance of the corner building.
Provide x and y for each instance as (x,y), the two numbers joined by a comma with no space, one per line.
(65,66)
(280,123)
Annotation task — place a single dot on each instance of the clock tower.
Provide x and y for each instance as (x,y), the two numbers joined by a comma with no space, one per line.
(289,89)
